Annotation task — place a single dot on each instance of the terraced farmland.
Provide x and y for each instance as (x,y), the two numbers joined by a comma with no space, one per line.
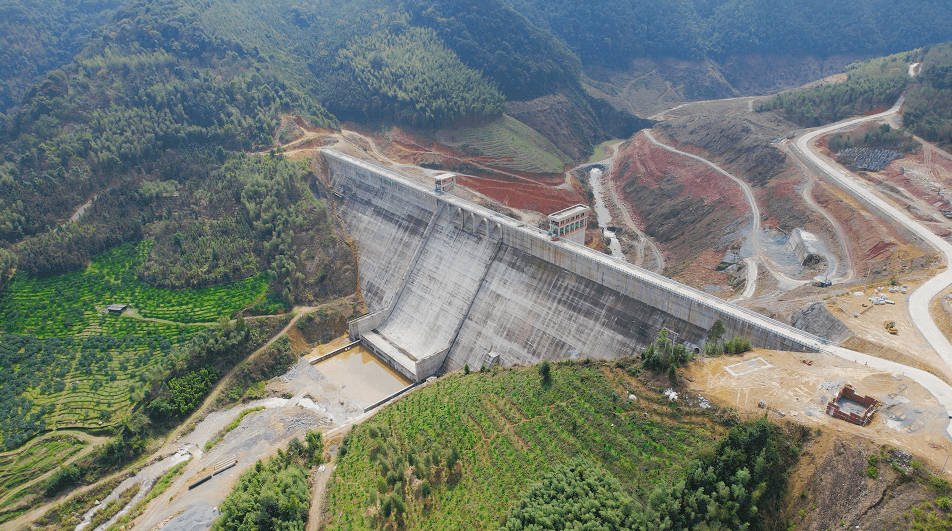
(67,363)
(478,441)
(72,303)
(514,145)
(34,460)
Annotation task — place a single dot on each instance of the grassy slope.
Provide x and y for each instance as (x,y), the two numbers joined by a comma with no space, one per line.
(509,430)
(514,145)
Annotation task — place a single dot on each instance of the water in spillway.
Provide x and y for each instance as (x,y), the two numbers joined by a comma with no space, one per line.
(602,213)
(361,375)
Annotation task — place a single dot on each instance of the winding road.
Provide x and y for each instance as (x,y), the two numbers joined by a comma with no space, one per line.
(755,224)
(919,299)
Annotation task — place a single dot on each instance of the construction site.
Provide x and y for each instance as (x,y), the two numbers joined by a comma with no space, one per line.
(468,284)
(462,270)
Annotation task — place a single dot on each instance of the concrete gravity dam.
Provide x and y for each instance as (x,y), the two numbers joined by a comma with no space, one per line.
(449,283)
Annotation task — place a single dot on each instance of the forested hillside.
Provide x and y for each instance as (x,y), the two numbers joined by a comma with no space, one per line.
(487,36)
(412,77)
(154,98)
(870,84)
(613,33)
(878,83)
(928,107)
(36,37)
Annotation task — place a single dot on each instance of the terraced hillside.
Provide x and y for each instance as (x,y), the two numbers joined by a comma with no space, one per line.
(508,143)
(75,365)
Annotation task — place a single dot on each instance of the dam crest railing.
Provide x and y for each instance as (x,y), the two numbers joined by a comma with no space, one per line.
(693,295)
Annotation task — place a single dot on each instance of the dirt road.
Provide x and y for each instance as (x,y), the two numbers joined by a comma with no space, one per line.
(846,250)
(782,279)
(920,298)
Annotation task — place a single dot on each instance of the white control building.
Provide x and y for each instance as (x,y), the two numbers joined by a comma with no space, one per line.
(570,224)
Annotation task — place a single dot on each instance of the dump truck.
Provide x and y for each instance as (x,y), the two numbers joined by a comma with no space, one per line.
(891,327)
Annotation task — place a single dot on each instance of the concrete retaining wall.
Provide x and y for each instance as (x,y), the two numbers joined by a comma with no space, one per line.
(805,245)
(367,323)
(437,263)
(334,352)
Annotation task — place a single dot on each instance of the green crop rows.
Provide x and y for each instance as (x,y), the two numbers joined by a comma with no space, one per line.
(68,364)
(507,430)
(17,468)
(70,304)
(515,146)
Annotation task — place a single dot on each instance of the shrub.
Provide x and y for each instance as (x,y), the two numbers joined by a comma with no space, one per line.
(315,447)
(943,503)
(664,355)
(66,477)
(738,345)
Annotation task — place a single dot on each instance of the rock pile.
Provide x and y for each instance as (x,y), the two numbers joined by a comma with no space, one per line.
(867,159)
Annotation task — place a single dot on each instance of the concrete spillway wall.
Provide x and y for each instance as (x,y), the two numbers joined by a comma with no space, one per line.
(806,246)
(450,283)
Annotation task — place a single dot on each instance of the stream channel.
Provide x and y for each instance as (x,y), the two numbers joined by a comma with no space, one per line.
(603,215)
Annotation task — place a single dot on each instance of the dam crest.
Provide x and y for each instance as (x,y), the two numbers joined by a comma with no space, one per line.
(450,283)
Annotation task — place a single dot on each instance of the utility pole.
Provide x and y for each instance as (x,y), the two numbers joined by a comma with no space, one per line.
(671,337)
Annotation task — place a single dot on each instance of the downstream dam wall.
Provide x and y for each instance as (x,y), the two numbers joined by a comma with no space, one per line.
(449,283)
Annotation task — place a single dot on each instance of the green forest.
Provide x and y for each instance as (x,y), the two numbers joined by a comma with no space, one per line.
(557,447)
(412,77)
(872,84)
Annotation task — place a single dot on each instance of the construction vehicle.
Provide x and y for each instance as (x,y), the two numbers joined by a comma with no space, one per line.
(891,327)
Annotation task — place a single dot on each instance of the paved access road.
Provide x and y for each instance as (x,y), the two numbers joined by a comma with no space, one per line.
(920,298)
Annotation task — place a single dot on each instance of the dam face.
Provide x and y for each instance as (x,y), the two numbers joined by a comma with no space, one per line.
(449,283)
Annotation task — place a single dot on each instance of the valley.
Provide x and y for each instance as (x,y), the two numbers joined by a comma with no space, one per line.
(302,266)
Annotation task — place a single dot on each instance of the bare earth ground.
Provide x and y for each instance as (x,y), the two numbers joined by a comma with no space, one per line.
(869,325)
(799,386)
(315,403)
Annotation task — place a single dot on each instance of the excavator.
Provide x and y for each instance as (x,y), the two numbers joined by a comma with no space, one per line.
(891,327)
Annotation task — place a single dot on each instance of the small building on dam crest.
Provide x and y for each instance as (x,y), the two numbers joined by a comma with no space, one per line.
(449,283)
